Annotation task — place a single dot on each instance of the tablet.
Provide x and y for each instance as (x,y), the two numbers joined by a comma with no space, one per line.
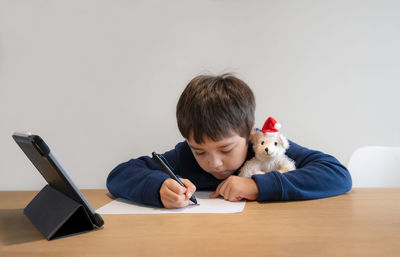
(39,154)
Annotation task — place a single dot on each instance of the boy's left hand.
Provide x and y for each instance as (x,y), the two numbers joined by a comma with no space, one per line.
(236,188)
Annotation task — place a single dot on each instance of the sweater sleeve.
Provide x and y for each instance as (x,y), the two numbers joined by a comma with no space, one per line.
(140,179)
(317,175)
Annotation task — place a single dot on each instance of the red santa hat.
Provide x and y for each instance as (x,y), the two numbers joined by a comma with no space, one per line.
(271,127)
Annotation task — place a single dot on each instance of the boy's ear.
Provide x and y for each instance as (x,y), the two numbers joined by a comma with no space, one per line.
(252,131)
(284,142)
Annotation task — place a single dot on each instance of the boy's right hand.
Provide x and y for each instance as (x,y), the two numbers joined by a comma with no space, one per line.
(175,196)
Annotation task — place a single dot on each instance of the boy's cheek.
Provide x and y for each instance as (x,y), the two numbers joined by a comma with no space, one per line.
(199,162)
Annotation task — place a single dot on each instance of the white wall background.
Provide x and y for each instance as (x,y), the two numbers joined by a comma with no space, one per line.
(99,80)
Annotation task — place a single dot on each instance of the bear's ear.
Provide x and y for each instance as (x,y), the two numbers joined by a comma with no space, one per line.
(257,137)
(283,141)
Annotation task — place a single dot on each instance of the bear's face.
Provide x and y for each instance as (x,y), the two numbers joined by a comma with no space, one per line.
(269,146)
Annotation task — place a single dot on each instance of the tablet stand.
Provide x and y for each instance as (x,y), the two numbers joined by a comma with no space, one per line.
(57,215)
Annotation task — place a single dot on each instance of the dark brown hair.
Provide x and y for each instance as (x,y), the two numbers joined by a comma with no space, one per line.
(215,106)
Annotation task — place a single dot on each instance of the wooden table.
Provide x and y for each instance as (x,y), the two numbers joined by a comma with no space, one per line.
(364,222)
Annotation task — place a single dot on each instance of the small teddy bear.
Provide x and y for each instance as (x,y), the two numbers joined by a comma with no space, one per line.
(269,148)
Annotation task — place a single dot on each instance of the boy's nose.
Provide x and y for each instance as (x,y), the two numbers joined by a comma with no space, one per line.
(214,162)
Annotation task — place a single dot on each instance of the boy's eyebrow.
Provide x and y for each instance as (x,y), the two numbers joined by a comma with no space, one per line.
(222,146)
(195,148)
(228,144)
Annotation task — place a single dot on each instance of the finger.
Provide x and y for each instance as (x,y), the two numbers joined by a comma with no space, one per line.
(217,191)
(190,188)
(233,195)
(171,199)
(237,199)
(175,205)
(214,195)
(223,190)
(183,203)
(175,201)
(174,186)
(226,192)
(174,197)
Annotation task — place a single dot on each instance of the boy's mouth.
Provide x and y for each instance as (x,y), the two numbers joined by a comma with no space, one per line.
(223,172)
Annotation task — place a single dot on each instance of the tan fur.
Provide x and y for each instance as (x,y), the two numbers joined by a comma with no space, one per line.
(266,161)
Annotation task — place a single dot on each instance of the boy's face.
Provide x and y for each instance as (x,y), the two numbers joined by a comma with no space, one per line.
(222,158)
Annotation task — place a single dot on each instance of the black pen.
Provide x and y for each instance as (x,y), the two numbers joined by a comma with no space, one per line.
(168,169)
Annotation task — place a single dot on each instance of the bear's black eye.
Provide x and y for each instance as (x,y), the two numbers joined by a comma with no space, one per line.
(276,143)
(262,142)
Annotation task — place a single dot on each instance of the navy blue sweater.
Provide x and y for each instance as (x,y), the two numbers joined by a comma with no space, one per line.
(317,175)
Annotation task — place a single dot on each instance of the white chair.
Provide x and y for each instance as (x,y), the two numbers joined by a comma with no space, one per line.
(375,166)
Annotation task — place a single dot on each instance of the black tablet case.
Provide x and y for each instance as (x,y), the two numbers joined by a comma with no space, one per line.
(54,213)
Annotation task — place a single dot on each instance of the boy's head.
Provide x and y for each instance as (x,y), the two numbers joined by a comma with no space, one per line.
(215,106)
(216,116)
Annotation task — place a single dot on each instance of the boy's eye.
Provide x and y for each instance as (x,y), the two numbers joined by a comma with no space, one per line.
(262,142)
(228,151)
(276,143)
(198,153)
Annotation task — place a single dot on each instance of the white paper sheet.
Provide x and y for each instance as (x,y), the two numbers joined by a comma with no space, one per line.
(205,205)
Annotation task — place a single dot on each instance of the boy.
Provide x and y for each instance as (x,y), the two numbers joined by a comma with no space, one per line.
(215,115)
